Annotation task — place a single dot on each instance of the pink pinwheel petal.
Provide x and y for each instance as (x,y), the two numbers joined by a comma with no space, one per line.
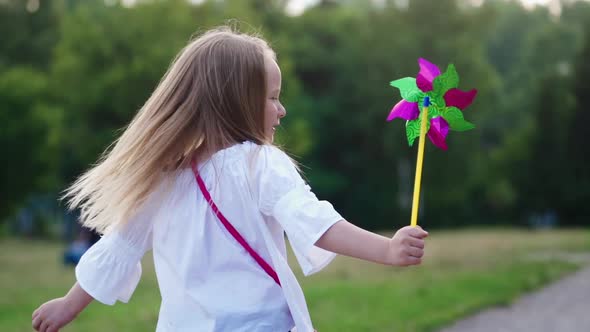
(439,129)
(428,70)
(423,84)
(458,98)
(405,110)
(441,125)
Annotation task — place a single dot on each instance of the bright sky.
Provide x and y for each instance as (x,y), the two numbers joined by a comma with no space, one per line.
(297,6)
(535,2)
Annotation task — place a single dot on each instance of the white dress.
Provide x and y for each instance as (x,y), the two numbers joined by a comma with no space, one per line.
(207,280)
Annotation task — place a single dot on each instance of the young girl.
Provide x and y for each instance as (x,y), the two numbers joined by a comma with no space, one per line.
(195,178)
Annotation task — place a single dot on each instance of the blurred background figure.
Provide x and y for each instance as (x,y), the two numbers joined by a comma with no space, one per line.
(78,247)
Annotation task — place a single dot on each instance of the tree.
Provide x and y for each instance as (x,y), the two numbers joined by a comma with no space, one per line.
(27,138)
(577,189)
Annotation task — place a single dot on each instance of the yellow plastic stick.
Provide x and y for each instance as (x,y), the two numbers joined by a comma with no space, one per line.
(416,202)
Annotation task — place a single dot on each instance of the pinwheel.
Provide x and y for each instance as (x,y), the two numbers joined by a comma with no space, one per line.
(442,104)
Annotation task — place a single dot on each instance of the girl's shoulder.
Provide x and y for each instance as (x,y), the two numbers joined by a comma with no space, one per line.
(257,155)
(254,162)
(269,157)
(246,158)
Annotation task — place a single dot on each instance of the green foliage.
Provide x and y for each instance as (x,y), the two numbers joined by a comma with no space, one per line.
(25,137)
(73,73)
(27,38)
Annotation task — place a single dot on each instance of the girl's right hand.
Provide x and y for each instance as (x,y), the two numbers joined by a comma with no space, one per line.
(53,315)
(407,246)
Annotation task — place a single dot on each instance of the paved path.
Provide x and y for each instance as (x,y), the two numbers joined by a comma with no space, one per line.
(563,306)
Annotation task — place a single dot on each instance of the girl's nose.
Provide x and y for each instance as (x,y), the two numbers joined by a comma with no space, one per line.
(282,112)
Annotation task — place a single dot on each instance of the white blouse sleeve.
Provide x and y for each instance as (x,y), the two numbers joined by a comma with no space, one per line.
(111,269)
(284,195)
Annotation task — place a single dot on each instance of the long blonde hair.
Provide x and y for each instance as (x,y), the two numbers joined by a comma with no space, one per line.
(212,96)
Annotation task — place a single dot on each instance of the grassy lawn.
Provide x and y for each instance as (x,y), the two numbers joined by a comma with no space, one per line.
(463,271)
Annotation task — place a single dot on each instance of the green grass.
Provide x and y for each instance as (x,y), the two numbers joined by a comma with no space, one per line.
(463,271)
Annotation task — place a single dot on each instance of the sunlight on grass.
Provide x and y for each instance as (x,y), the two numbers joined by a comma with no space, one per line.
(463,271)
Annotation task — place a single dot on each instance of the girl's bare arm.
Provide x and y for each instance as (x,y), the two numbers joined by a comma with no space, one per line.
(78,298)
(405,248)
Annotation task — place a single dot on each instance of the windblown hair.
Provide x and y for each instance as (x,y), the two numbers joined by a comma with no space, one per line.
(212,96)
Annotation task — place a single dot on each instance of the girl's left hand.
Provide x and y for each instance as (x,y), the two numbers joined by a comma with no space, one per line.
(52,315)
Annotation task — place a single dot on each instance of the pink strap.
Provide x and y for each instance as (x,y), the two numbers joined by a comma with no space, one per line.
(230,228)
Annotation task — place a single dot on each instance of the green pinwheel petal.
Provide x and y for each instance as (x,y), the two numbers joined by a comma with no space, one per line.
(408,89)
(442,83)
(413,129)
(438,101)
(454,117)
(433,112)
